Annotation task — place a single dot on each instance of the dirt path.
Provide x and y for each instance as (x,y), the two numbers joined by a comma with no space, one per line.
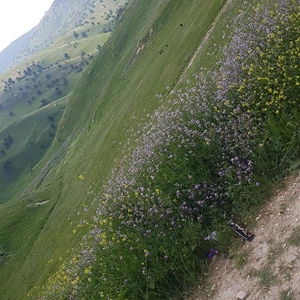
(269,267)
(205,39)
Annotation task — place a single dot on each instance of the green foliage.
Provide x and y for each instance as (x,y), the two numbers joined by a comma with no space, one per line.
(241,258)
(265,276)
(294,239)
(286,295)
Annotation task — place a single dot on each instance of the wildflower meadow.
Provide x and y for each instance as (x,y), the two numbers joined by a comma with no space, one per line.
(209,153)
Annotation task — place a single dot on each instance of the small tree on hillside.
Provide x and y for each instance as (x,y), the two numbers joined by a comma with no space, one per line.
(44,102)
(50,119)
(67,56)
(75,34)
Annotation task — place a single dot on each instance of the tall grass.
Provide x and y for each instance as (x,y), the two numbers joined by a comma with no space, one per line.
(207,154)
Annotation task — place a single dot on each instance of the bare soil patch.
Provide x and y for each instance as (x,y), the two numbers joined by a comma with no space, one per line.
(269,267)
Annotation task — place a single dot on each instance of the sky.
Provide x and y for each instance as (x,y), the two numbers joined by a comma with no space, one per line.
(18,17)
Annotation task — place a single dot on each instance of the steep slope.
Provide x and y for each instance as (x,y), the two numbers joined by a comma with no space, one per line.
(21,150)
(207,155)
(50,75)
(211,147)
(118,90)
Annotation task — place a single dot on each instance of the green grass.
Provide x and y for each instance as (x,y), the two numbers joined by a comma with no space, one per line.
(23,155)
(24,224)
(149,251)
(20,107)
(294,239)
(32,136)
(113,97)
(265,276)
(18,104)
(120,85)
(286,295)
(241,258)
(275,251)
(60,20)
(54,55)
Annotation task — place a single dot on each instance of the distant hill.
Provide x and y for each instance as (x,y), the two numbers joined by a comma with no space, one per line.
(9,53)
(47,77)
(63,15)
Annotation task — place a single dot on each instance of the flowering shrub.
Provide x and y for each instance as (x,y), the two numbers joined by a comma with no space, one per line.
(202,157)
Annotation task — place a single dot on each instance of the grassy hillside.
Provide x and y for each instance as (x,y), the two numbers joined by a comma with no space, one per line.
(49,76)
(119,89)
(21,150)
(165,157)
(54,72)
